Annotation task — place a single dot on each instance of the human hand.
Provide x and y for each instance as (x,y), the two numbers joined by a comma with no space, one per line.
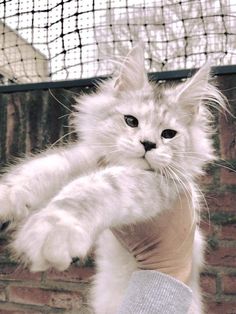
(164,243)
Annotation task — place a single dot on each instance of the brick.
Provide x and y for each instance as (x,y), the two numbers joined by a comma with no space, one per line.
(229,284)
(206,179)
(15,311)
(207,228)
(72,274)
(208,283)
(221,308)
(227,176)
(37,296)
(228,232)
(222,201)
(66,300)
(28,295)
(2,294)
(12,272)
(227,138)
(222,256)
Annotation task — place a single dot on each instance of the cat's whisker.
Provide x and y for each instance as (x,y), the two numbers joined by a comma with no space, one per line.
(69,127)
(61,138)
(189,198)
(163,174)
(168,170)
(104,146)
(180,181)
(114,151)
(64,116)
(188,154)
(61,103)
(183,179)
(194,217)
(202,197)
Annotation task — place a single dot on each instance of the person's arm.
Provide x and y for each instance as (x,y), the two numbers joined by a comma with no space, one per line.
(152,292)
(163,250)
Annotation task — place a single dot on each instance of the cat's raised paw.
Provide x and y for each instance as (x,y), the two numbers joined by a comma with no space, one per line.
(45,241)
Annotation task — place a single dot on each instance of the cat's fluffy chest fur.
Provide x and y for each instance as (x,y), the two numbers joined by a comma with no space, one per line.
(140,146)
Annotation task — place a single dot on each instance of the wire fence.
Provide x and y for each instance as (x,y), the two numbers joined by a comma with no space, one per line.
(51,40)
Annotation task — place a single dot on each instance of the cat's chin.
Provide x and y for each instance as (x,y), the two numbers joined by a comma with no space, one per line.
(140,163)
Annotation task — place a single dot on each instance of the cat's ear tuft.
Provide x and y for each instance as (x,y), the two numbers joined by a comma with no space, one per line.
(191,93)
(132,73)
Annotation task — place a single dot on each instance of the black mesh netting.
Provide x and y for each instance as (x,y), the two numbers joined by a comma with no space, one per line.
(43,40)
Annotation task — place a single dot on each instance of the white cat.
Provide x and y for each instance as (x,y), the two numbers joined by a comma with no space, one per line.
(133,135)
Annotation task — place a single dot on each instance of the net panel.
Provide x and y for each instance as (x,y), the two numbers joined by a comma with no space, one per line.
(42,40)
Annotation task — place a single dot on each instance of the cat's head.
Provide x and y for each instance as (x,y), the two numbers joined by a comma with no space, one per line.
(132,121)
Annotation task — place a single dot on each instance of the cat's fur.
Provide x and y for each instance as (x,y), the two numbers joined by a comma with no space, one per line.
(65,200)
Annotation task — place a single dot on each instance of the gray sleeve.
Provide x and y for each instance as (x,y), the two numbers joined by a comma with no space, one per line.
(151,292)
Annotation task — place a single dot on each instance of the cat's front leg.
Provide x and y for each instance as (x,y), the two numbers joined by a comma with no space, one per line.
(33,182)
(71,222)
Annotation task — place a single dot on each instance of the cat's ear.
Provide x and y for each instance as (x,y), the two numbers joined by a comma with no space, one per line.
(191,93)
(132,73)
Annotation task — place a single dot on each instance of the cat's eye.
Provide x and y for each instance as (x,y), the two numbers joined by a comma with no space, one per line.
(168,133)
(131,121)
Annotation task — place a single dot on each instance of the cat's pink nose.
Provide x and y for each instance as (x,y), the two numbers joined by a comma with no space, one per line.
(148,145)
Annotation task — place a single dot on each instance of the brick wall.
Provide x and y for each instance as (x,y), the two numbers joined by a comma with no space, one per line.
(219,221)
(31,121)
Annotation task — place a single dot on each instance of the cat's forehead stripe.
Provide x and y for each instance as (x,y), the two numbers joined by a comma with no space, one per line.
(152,107)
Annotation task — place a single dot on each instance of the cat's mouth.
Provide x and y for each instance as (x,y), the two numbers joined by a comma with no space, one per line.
(149,168)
